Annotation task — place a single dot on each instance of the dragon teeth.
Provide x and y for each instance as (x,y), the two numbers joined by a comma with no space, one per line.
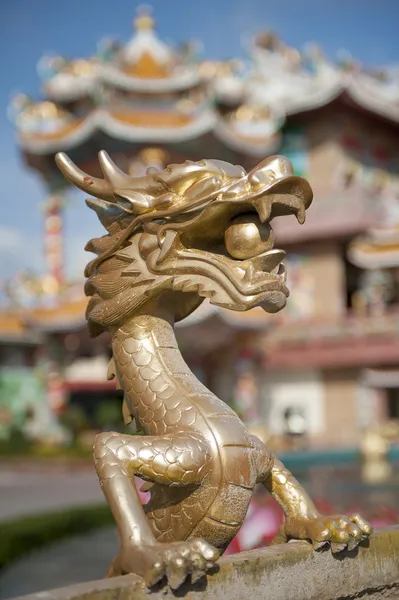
(204,291)
(183,284)
(249,274)
(263,209)
(178,283)
(301,215)
(168,244)
(190,287)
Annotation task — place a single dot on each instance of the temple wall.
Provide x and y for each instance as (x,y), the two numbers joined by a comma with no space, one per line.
(301,389)
(316,279)
(331,401)
(327,270)
(324,154)
(369,131)
(339,137)
(341,389)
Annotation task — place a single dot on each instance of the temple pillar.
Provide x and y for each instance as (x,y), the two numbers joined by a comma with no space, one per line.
(54,243)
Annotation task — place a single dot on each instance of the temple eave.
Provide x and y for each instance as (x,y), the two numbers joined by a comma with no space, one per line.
(140,126)
(373,256)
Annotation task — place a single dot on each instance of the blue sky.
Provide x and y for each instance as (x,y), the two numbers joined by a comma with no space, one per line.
(368,29)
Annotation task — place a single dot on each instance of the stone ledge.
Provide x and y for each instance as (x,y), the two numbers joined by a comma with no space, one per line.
(288,572)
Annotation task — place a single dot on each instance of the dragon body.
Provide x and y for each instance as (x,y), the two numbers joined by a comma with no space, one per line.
(165,398)
(193,231)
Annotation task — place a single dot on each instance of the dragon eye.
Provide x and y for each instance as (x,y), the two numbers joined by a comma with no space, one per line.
(247,237)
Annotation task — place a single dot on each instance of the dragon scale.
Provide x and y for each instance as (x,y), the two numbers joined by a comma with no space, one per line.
(163,396)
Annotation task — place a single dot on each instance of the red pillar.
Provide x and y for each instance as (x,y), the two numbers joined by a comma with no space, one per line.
(53,241)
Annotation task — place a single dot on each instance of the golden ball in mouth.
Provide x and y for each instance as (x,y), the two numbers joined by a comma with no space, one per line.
(247,237)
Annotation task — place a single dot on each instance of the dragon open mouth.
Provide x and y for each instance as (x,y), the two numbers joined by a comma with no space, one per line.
(231,244)
(201,227)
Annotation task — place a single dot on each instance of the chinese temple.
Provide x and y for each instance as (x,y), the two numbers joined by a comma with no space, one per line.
(335,348)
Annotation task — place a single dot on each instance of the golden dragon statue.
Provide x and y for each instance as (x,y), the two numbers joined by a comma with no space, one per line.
(192,231)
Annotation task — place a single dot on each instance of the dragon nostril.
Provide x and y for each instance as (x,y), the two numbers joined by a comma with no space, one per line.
(247,237)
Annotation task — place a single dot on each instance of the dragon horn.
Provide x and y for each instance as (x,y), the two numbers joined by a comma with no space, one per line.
(100,188)
(112,173)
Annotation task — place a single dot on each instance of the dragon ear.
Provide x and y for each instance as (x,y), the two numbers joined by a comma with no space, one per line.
(108,212)
(132,202)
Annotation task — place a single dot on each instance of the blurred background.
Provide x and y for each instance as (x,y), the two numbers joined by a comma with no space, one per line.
(315,81)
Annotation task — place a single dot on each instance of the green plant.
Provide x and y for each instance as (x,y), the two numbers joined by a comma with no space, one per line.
(30,533)
(74,419)
(108,414)
(15,443)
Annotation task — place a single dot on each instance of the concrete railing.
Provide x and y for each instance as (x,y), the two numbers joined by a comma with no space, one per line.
(289,572)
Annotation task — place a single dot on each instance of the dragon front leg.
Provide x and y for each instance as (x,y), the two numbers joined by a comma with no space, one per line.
(180,459)
(303,521)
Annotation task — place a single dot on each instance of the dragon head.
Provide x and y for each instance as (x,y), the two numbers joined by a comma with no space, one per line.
(192,231)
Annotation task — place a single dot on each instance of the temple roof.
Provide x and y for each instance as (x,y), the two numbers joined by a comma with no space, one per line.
(289,81)
(144,63)
(63,316)
(14,330)
(145,53)
(146,91)
(33,306)
(376,249)
(131,126)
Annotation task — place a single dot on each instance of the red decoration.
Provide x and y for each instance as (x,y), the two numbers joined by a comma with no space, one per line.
(351,143)
(381,154)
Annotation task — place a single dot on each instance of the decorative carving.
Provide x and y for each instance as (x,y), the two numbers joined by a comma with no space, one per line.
(174,238)
(43,117)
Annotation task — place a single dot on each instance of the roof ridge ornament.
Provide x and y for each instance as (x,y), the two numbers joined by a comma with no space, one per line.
(144,20)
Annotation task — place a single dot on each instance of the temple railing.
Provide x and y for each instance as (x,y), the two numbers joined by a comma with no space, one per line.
(347,340)
(349,325)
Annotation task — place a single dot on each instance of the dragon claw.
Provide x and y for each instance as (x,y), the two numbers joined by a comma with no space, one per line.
(175,561)
(176,571)
(340,531)
(317,545)
(335,548)
(352,544)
